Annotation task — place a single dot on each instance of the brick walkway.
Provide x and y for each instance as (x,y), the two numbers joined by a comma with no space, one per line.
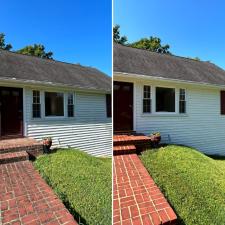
(25,198)
(137,199)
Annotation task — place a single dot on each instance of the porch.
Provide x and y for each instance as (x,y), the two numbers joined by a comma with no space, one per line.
(127,143)
(19,149)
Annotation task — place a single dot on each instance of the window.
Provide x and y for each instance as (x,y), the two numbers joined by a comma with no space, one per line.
(147,99)
(165,99)
(36,106)
(182,101)
(54,104)
(109,105)
(70,105)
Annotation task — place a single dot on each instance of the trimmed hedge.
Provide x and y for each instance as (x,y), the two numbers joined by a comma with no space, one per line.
(193,183)
(83,182)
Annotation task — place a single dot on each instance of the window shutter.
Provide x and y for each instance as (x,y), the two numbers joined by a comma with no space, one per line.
(222,102)
(108,105)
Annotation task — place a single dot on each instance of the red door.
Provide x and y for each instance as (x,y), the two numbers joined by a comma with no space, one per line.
(11,111)
(123,106)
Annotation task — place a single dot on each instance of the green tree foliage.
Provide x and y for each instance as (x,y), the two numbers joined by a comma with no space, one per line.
(3,45)
(152,44)
(197,58)
(116,36)
(36,50)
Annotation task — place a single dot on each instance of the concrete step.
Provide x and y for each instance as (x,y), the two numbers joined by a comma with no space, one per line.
(124,149)
(13,157)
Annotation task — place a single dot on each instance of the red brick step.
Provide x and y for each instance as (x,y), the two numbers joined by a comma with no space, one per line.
(130,139)
(33,147)
(124,149)
(13,157)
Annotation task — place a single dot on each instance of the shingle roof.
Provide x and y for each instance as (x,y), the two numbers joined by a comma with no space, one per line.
(31,68)
(143,62)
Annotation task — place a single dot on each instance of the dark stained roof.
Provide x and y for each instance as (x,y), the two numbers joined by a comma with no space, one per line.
(143,62)
(31,68)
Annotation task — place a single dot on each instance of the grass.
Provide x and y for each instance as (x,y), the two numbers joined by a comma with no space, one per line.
(193,183)
(83,182)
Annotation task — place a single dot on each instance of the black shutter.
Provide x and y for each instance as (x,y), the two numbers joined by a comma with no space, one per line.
(222,102)
(109,105)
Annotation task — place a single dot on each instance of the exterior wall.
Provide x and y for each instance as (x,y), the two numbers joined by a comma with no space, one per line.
(202,127)
(89,130)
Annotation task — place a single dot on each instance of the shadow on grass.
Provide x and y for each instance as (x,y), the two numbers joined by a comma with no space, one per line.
(79,219)
(217,157)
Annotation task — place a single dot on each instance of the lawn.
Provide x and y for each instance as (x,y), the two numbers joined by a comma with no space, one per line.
(83,182)
(193,183)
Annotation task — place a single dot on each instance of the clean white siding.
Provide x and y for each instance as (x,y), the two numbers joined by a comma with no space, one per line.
(90,130)
(203,127)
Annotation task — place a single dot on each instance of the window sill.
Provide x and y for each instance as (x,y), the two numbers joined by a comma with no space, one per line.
(164,115)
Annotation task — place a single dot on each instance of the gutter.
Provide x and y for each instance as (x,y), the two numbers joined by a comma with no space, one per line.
(147,77)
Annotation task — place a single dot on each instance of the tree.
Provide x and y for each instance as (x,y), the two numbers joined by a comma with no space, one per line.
(197,58)
(116,36)
(152,44)
(3,45)
(36,50)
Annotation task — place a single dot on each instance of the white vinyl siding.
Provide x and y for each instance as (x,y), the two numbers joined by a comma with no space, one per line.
(202,126)
(89,130)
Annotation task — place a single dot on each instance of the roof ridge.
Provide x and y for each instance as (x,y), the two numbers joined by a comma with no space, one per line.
(164,54)
(49,60)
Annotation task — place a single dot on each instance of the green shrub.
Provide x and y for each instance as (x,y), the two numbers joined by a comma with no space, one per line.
(83,182)
(193,183)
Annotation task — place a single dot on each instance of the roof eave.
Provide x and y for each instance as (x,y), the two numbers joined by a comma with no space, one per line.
(51,84)
(148,77)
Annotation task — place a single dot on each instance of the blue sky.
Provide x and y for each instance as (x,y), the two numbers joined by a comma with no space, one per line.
(77,31)
(192,28)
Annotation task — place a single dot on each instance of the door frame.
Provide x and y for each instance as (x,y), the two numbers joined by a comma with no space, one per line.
(134,102)
(134,106)
(23,129)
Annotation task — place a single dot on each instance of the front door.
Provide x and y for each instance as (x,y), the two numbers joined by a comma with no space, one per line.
(122,106)
(11,111)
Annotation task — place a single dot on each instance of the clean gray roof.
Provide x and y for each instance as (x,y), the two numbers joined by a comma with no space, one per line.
(143,62)
(31,68)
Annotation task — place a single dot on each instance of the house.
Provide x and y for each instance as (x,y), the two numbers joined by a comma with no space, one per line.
(182,98)
(41,98)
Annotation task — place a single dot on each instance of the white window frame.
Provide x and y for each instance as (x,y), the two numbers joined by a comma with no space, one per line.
(42,102)
(146,98)
(153,100)
(185,100)
(64,105)
(74,113)
(175,112)
(32,103)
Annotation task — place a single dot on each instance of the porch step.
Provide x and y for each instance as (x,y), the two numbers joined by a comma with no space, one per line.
(131,140)
(124,149)
(33,147)
(13,157)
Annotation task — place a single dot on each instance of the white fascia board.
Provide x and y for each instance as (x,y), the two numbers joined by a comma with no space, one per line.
(153,78)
